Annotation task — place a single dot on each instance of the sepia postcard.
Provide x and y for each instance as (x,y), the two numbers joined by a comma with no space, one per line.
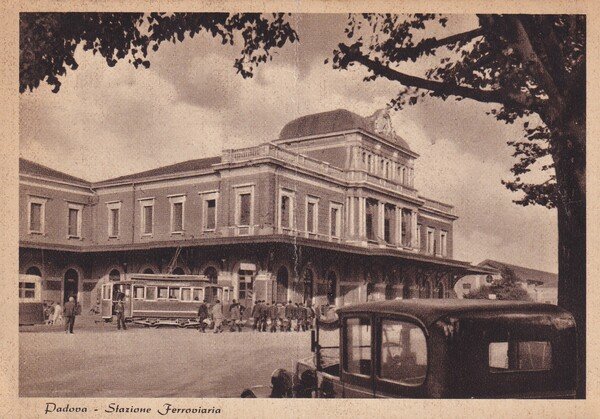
(210,202)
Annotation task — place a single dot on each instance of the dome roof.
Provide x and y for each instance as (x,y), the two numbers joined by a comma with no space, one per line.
(335,121)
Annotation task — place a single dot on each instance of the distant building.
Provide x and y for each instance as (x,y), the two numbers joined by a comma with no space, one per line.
(327,212)
(542,286)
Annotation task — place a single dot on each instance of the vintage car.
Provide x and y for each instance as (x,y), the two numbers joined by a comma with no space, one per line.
(437,349)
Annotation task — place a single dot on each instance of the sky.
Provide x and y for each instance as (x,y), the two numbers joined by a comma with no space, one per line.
(107,122)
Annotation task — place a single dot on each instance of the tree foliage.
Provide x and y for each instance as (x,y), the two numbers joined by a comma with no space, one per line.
(508,287)
(48,41)
(524,65)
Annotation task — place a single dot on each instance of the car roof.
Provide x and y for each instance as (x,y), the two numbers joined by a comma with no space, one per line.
(430,310)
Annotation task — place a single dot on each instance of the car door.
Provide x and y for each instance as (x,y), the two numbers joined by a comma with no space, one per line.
(357,357)
(401,357)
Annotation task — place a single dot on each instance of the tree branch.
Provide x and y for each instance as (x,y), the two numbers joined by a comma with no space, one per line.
(428,44)
(352,54)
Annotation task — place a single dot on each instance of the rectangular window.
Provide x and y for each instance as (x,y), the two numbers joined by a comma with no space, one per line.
(163,293)
(388,213)
(286,209)
(198,294)
(370,218)
(335,220)
(151,293)
(520,356)
(211,206)
(74,220)
(35,219)
(444,243)
(358,346)
(147,217)
(245,208)
(312,215)
(177,213)
(419,236)
(430,240)
(173,293)
(114,218)
(178,216)
(406,228)
(138,292)
(403,353)
(27,290)
(244,202)
(186,294)
(37,215)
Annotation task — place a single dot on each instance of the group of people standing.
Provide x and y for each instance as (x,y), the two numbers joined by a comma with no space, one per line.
(285,316)
(215,315)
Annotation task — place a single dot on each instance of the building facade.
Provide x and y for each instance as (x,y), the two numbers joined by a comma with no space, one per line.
(540,285)
(327,212)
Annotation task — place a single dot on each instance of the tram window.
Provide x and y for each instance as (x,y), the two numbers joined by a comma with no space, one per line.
(151,293)
(173,293)
(106,295)
(27,290)
(138,292)
(198,294)
(163,292)
(186,294)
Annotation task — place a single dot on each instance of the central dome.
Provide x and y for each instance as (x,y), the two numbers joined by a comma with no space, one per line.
(333,121)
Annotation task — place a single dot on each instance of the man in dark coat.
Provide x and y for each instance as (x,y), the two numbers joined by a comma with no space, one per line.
(120,310)
(264,315)
(289,315)
(202,316)
(256,315)
(69,313)
(273,310)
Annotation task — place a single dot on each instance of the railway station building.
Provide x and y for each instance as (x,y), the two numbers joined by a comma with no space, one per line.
(326,212)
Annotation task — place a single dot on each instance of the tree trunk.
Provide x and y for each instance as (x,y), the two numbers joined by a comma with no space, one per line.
(569,158)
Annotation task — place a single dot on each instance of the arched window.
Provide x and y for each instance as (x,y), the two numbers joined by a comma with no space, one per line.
(148,271)
(70,284)
(34,270)
(442,290)
(212,274)
(114,275)
(178,271)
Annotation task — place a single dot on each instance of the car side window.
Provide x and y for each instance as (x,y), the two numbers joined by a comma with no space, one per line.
(403,353)
(358,346)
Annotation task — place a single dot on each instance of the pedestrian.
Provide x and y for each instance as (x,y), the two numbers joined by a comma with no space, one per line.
(217,315)
(120,310)
(310,315)
(57,316)
(273,316)
(236,317)
(264,316)
(202,316)
(289,315)
(301,318)
(256,315)
(281,316)
(69,315)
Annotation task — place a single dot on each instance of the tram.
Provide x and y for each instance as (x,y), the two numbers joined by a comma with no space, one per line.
(158,299)
(31,306)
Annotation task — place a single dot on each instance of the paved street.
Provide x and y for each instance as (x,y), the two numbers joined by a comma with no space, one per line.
(99,361)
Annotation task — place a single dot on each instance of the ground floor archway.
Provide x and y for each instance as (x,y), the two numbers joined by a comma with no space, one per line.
(70,284)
